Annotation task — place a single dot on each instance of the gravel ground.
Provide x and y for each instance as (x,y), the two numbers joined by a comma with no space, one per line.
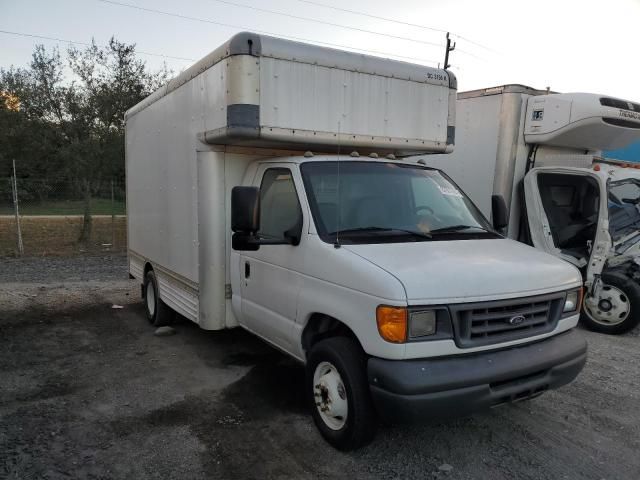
(87,391)
(70,269)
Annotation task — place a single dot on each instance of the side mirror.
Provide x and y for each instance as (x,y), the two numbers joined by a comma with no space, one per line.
(245,210)
(499,212)
(245,222)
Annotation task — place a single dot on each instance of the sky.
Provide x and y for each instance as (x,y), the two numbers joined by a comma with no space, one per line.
(567,45)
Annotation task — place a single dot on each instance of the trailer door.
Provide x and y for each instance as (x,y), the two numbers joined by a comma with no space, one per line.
(567,212)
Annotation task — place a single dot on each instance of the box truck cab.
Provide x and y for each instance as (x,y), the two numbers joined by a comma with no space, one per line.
(378,274)
(542,152)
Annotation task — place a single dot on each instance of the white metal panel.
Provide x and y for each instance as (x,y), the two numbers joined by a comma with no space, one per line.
(430,271)
(136,266)
(546,113)
(285,104)
(341,284)
(211,239)
(214,103)
(416,111)
(472,163)
(161,180)
(301,96)
(579,120)
(263,46)
(550,157)
(218,173)
(243,80)
(178,295)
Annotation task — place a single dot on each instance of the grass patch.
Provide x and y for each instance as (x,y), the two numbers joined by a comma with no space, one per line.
(99,206)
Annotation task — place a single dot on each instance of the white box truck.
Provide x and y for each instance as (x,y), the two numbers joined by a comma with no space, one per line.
(541,152)
(378,274)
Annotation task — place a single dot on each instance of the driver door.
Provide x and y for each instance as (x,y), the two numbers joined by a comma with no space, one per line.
(567,215)
(271,277)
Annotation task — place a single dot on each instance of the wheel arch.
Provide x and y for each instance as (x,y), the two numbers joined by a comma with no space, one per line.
(147,267)
(320,326)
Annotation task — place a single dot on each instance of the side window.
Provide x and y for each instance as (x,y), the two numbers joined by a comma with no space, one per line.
(279,206)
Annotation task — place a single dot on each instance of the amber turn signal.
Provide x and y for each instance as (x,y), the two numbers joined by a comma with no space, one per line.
(392,323)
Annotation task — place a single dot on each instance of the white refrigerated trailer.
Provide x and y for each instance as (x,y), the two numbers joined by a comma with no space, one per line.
(542,153)
(346,258)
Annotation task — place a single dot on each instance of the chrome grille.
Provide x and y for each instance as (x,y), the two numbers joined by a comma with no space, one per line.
(485,323)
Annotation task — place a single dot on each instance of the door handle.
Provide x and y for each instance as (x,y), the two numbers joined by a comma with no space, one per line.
(247,270)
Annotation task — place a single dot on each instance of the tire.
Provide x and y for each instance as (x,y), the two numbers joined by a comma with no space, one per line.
(618,311)
(344,357)
(158,313)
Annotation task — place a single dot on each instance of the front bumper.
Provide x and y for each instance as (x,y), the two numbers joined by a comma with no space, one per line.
(428,389)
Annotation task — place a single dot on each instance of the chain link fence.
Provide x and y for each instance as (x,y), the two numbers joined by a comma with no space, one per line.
(57,216)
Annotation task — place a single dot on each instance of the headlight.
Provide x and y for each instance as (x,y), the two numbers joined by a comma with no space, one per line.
(572,301)
(403,324)
(422,324)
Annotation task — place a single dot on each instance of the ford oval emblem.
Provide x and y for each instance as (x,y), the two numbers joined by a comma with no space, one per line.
(517,320)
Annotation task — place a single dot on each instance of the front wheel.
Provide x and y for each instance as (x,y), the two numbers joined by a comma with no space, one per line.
(617,308)
(339,392)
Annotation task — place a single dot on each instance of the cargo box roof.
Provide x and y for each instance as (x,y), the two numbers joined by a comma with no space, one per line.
(247,43)
(265,92)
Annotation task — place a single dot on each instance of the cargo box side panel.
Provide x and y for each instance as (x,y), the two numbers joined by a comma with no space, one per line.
(162,179)
(380,110)
(472,165)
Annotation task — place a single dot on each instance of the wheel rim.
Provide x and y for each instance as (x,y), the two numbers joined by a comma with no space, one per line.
(330,396)
(612,306)
(151,299)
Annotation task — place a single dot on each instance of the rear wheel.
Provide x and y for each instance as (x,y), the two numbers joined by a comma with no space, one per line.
(617,308)
(337,385)
(158,313)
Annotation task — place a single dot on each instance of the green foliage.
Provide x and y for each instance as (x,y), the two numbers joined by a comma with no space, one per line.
(70,120)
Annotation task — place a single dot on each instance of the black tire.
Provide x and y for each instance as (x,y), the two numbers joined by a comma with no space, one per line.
(630,290)
(158,313)
(350,362)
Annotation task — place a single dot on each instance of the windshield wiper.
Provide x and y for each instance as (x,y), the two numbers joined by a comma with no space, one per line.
(381,230)
(458,228)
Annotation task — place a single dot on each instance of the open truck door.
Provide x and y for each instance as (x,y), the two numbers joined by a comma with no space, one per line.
(567,214)
(568,217)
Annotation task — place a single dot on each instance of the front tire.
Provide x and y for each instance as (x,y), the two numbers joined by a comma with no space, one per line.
(339,393)
(158,313)
(617,309)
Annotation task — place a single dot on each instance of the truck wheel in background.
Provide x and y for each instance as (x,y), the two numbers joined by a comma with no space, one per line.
(618,307)
(341,401)
(158,313)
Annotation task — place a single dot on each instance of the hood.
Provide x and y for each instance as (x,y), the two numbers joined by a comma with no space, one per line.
(470,270)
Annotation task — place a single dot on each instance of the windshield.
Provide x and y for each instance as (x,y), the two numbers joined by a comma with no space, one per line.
(377,202)
(624,208)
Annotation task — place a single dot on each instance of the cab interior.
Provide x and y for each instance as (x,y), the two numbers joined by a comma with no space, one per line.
(571,203)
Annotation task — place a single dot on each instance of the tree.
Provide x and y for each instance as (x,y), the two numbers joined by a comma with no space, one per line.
(79,116)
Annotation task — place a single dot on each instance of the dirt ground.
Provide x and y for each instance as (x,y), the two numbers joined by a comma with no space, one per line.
(87,391)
